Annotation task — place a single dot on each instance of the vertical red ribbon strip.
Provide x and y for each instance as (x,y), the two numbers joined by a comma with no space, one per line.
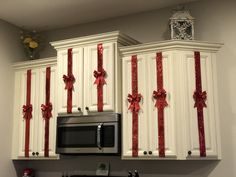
(47,112)
(200,98)
(69,81)
(100,77)
(27,113)
(134,100)
(160,96)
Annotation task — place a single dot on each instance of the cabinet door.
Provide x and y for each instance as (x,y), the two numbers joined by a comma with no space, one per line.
(169,119)
(77,95)
(90,65)
(52,120)
(127,114)
(191,119)
(22,87)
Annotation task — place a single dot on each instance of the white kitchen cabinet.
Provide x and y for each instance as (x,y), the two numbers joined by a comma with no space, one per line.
(147,116)
(37,122)
(85,61)
(181,132)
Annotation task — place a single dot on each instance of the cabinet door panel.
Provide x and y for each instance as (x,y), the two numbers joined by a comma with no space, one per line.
(90,65)
(209,115)
(52,120)
(127,114)
(169,120)
(77,95)
(22,90)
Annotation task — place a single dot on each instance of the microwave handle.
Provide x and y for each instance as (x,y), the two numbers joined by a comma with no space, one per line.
(99,127)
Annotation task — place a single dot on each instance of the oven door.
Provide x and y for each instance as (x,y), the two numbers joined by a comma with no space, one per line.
(87,138)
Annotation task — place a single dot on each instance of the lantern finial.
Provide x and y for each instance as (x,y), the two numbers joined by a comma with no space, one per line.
(182,24)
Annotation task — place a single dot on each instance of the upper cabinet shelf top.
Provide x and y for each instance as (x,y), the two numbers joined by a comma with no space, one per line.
(97,38)
(171,45)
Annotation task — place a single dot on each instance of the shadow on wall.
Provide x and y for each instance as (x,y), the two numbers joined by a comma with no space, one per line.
(87,165)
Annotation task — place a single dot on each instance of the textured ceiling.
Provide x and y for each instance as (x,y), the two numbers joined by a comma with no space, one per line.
(52,14)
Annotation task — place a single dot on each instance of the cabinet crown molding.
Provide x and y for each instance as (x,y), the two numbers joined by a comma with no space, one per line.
(115,36)
(35,63)
(170,45)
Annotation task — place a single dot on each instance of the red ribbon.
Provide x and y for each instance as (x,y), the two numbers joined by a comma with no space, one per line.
(27,113)
(47,111)
(160,96)
(200,98)
(134,100)
(69,81)
(100,77)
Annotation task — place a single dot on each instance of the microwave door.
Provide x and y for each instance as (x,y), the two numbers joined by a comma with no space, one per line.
(79,135)
(87,138)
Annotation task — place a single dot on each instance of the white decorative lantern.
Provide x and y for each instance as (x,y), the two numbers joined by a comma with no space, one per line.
(182,25)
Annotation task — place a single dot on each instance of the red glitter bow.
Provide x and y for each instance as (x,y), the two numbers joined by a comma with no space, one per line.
(200,98)
(134,102)
(69,81)
(100,77)
(160,96)
(46,110)
(27,111)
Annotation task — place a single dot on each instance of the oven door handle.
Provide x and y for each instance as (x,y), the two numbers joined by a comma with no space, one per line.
(99,127)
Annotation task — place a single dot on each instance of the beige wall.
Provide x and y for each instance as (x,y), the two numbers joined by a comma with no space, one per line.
(9,51)
(215,21)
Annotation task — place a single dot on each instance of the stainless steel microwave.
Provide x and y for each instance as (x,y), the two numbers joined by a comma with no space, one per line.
(92,134)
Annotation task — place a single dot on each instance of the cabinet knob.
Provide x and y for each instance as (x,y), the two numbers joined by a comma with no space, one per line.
(145,152)
(33,153)
(87,108)
(79,109)
(150,152)
(37,153)
(189,153)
